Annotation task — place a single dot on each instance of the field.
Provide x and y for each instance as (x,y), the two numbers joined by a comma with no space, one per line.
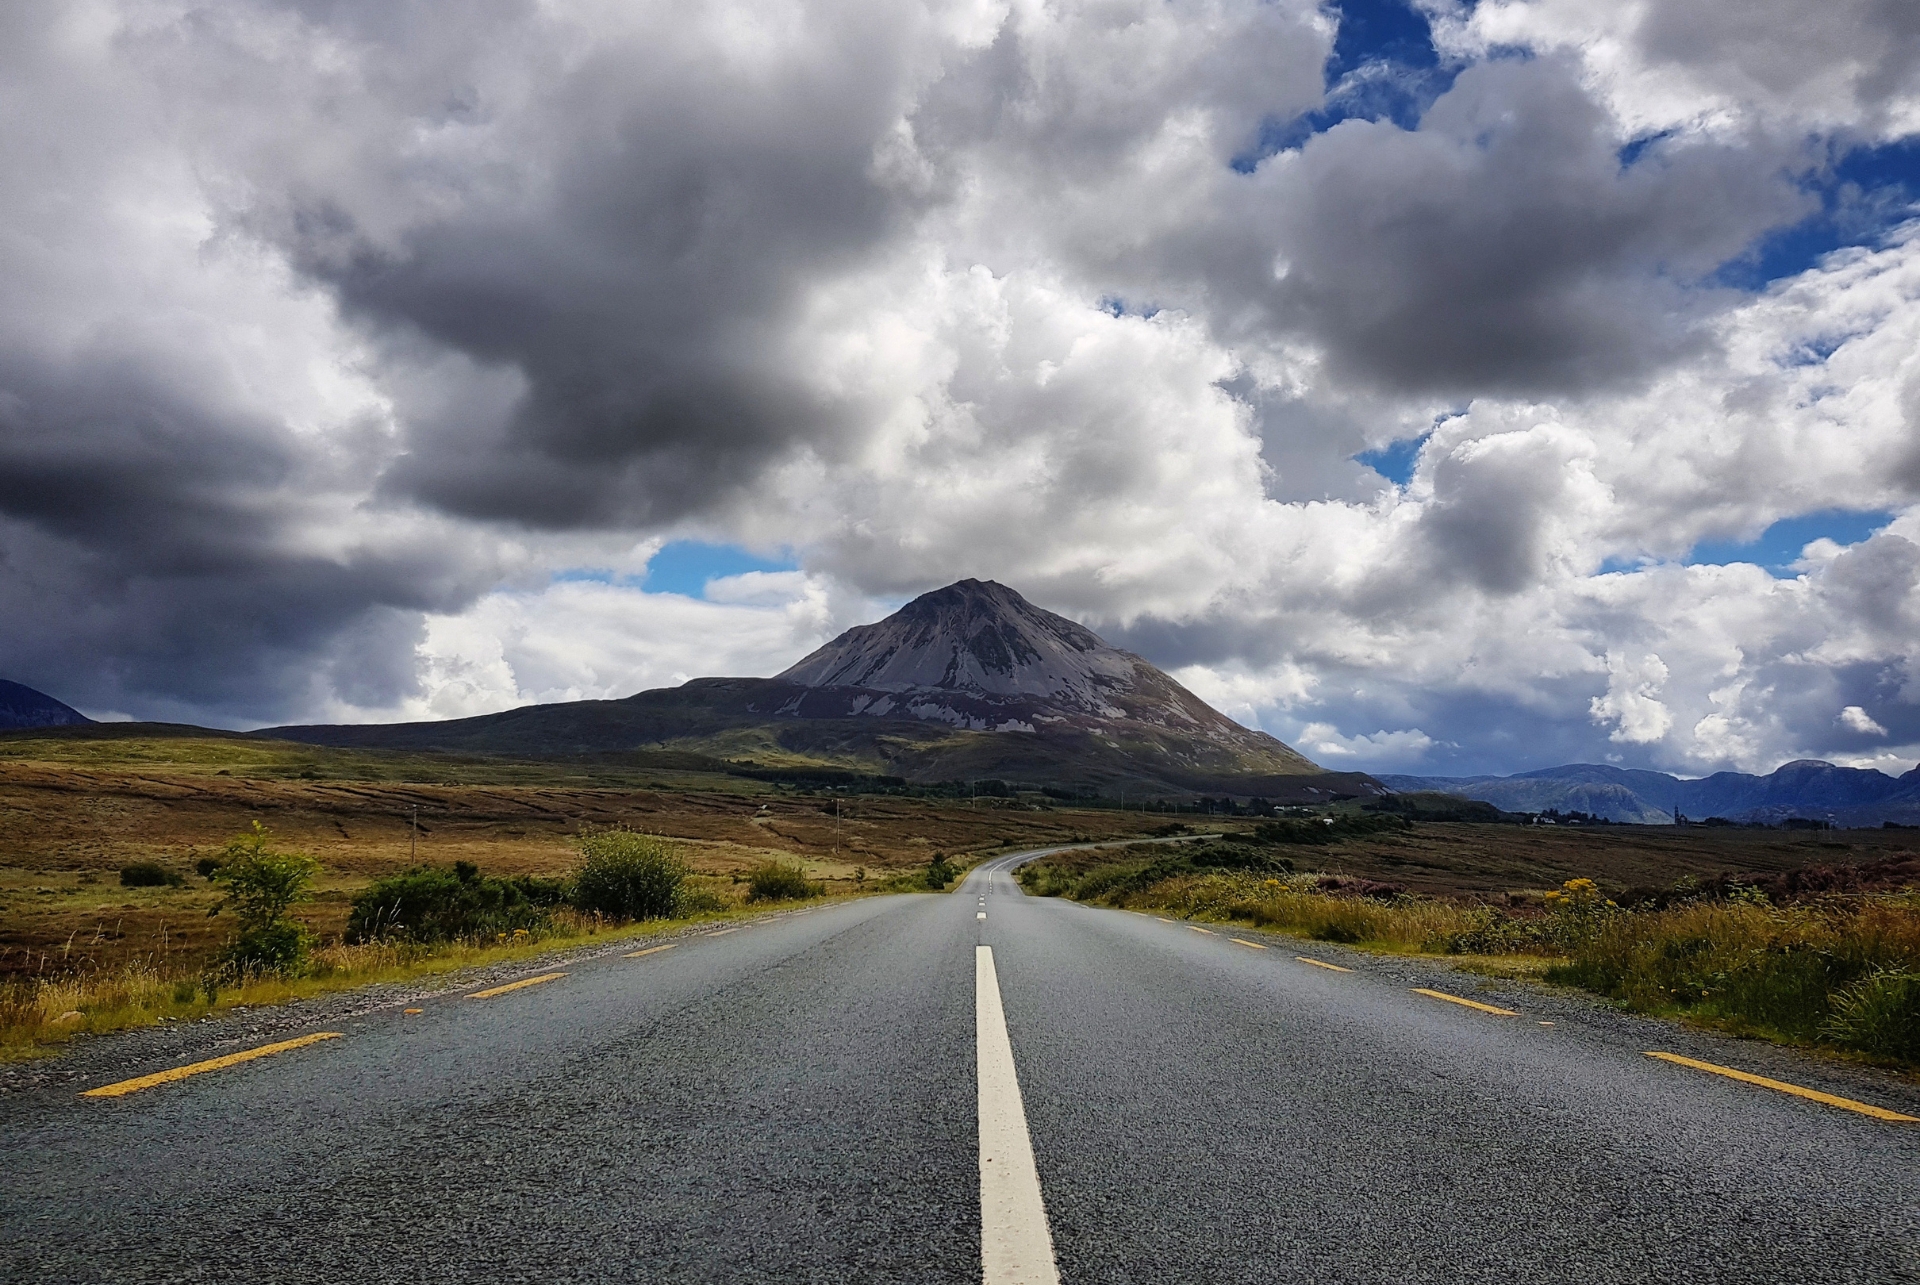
(1510,864)
(1806,940)
(75,809)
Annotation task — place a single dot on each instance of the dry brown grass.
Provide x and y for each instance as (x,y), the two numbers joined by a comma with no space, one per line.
(1287,905)
(67,825)
(38,1015)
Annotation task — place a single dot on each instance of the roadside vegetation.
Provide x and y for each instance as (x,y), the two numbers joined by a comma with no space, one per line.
(421,921)
(1827,960)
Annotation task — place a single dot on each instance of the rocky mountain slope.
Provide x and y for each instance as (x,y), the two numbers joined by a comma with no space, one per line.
(1807,788)
(966,682)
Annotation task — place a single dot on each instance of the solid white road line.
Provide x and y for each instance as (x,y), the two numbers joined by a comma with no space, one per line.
(1015,1246)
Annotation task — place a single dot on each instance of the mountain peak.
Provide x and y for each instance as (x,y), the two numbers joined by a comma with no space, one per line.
(977,655)
(973,636)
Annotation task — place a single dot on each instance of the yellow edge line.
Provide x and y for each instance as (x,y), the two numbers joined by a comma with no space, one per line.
(1845,1104)
(1197,928)
(1321,963)
(651,950)
(1164,921)
(197,1068)
(722,933)
(491,991)
(1241,942)
(1470,1003)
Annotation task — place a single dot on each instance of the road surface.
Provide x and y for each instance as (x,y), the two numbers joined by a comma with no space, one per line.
(828,1096)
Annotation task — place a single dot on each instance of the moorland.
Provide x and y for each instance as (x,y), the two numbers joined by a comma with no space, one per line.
(79,806)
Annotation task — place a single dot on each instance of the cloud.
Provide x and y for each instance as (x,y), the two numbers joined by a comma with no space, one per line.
(333,337)
(1501,247)
(1852,64)
(1632,701)
(1855,719)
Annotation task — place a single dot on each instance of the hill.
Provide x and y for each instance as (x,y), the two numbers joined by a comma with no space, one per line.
(967,682)
(1811,789)
(22,706)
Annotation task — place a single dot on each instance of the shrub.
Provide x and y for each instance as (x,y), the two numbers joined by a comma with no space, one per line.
(434,903)
(1577,912)
(626,875)
(699,901)
(779,881)
(1879,1015)
(940,872)
(262,886)
(149,874)
(1486,931)
(205,867)
(1805,972)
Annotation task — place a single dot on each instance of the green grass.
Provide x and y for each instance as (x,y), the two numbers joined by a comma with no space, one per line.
(37,1017)
(1826,971)
(1842,972)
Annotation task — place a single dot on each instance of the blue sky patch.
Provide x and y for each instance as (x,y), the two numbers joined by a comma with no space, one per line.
(1865,193)
(1395,460)
(1780,544)
(1383,67)
(685,566)
(1634,150)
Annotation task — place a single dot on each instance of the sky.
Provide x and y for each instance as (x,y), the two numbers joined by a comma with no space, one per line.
(1443,387)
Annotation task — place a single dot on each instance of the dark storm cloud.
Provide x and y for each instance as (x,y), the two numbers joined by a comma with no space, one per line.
(158,551)
(1502,247)
(638,256)
(168,545)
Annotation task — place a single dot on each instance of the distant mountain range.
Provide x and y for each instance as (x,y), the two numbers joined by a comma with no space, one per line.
(21,706)
(967,682)
(1807,788)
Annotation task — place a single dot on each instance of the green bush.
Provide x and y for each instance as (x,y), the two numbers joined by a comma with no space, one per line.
(1879,1015)
(279,947)
(779,881)
(1803,972)
(149,874)
(699,901)
(262,887)
(434,903)
(625,875)
(941,872)
(1489,932)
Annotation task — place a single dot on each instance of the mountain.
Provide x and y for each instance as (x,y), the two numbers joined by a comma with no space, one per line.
(21,706)
(967,682)
(1809,788)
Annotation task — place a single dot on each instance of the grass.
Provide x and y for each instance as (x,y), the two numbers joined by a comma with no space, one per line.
(1831,970)
(148,991)
(1837,971)
(40,1014)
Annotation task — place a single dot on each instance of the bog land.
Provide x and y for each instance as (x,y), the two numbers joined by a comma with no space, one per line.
(79,806)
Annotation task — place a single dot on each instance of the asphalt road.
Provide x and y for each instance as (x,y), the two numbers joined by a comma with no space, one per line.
(813,1099)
